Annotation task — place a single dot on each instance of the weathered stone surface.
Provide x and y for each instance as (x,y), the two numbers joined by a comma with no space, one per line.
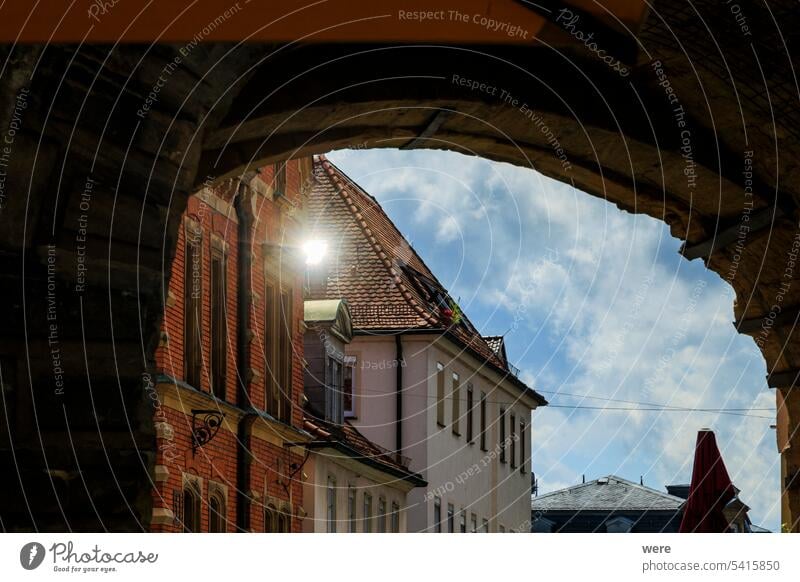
(227,109)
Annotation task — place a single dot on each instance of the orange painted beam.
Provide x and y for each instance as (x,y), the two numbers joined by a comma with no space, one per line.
(473,21)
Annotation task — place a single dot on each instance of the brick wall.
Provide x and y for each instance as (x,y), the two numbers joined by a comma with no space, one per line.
(277,222)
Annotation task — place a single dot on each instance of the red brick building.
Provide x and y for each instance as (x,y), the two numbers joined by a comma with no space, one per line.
(228,387)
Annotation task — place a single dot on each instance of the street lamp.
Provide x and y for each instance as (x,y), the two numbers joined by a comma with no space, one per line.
(314,251)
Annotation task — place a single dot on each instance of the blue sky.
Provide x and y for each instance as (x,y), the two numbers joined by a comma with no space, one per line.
(594,302)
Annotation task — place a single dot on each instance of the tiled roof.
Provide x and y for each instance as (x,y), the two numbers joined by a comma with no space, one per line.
(370,255)
(362,448)
(386,283)
(607,494)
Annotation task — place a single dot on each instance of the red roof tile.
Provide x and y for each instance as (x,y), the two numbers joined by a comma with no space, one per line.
(365,450)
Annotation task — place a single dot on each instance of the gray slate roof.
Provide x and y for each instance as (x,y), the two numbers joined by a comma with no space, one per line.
(616,494)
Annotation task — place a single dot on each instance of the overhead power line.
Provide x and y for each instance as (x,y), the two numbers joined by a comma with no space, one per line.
(637,405)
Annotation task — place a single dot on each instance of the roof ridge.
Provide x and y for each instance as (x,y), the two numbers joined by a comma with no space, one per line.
(343,191)
(647,488)
(570,488)
(353,184)
(650,490)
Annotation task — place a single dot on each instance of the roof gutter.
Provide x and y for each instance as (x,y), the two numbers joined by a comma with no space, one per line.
(414,478)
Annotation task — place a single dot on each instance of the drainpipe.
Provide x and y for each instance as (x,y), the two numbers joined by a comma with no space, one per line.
(244,289)
(243,461)
(398,347)
(244,431)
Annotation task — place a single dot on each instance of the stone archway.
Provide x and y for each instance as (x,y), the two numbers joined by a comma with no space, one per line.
(109,142)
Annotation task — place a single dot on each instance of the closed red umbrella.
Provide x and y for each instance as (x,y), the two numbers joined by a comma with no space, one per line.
(710,491)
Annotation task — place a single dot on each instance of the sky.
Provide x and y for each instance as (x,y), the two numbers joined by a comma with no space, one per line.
(599,311)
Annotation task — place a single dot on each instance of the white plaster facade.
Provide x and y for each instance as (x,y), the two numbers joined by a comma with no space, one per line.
(329,469)
(493,495)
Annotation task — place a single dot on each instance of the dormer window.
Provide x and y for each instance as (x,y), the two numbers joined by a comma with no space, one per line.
(329,372)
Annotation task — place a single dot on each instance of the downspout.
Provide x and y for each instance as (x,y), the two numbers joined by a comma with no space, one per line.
(244,291)
(244,374)
(243,462)
(398,347)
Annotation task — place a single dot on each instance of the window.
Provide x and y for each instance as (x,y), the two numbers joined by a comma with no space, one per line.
(451,518)
(473,523)
(279,181)
(271,348)
(456,395)
(333,391)
(522,459)
(485,526)
(285,357)
(331,505)
(278,350)
(367,514)
(191,508)
(437,514)
(270,520)
(218,325)
(470,406)
(381,515)
(512,427)
(463,521)
(351,509)
(348,387)
(283,521)
(483,421)
(439,394)
(395,517)
(216,514)
(193,306)
(502,420)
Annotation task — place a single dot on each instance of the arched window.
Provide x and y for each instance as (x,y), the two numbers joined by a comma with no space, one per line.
(191,508)
(216,514)
(270,519)
(283,520)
